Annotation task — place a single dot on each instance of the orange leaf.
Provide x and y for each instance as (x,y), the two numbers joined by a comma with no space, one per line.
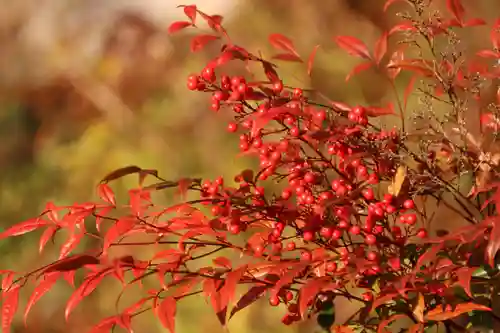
(353,46)
(310,61)
(166,313)
(43,287)
(177,26)
(9,307)
(440,314)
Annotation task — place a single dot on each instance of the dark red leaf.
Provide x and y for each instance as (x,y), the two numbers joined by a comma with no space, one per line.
(288,278)
(280,42)
(440,314)
(310,61)
(177,26)
(122,172)
(353,46)
(10,303)
(287,57)
(199,42)
(381,47)
(43,287)
(456,8)
(359,68)
(249,298)
(166,313)
(429,255)
(71,263)
(23,227)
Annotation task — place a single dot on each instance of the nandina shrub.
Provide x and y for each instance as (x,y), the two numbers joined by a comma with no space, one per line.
(355,216)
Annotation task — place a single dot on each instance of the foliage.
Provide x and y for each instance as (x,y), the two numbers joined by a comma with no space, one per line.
(356,210)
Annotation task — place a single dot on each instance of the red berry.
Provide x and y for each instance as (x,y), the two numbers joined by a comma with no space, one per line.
(274,301)
(306,256)
(422,233)
(326,232)
(359,111)
(409,204)
(232,127)
(355,230)
(370,239)
(277,87)
(368,193)
(308,236)
(291,246)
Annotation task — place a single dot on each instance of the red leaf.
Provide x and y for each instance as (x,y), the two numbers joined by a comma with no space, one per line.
(121,227)
(43,287)
(407,26)
(409,90)
(105,325)
(71,263)
(493,243)
(177,26)
(70,245)
(414,65)
(309,291)
(464,276)
(106,193)
(287,278)
(9,307)
(23,227)
(280,42)
(85,289)
(495,34)
(488,54)
(429,255)
(389,3)
(382,326)
(166,313)
(373,111)
(231,281)
(440,314)
(353,46)
(381,47)
(199,42)
(222,262)
(190,12)
(47,235)
(456,8)
(287,57)
(359,68)
(250,297)
(474,22)
(310,61)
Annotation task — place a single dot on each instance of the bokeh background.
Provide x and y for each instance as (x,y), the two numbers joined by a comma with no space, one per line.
(88,86)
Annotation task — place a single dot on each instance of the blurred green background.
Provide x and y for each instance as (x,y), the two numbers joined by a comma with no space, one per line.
(88,86)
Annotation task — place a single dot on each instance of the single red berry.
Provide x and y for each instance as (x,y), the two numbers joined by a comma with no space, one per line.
(370,239)
(297,93)
(422,233)
(409,204)
(355,230)
(278,87)
(359,111)
(372,256)
(326,232)
(274,301)
(306,256)
(367,296)
(235,229)
(291,246)
(331,267)
(295,131)
(308,236)
(232,127)
(368,193)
